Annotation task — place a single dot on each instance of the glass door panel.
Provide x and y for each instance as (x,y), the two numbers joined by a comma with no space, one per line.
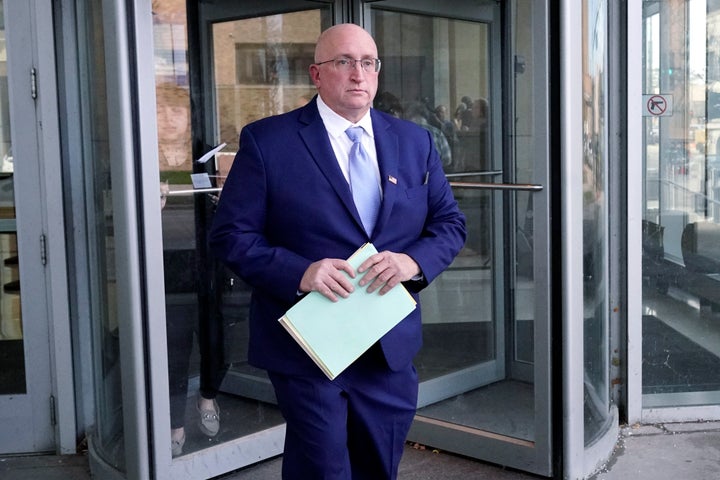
(262,72)
(251,68)
(432,66)
(485,320)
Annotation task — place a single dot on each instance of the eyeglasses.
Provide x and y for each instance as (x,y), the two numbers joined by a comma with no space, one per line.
(369,65)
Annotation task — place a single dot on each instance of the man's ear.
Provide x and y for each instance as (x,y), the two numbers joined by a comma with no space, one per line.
(314,71)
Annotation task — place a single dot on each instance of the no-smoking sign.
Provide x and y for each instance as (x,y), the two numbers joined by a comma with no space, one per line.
(657,105)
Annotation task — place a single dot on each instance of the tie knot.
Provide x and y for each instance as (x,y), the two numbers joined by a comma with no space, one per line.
(355,133)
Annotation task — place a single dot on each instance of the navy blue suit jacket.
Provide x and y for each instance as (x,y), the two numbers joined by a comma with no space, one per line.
(286,204)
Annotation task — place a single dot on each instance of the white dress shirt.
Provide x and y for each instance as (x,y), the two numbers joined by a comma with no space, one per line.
(341,143)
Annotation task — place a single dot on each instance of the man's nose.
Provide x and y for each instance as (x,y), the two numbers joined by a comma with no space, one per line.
(356,69)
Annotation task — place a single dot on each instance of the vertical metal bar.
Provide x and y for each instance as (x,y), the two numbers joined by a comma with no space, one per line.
(635,178)
(118,57)
(571,97)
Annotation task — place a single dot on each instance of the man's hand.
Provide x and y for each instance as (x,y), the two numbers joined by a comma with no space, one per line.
(386,269)
(326,277)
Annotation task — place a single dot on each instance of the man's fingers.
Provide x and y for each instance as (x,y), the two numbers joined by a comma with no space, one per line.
(336,284)
(381,271)
(327,278)
(385,270)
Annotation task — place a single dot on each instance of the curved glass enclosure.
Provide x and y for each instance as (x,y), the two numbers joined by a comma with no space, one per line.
(591,421)
(595,221)
(489,368)
(108,438)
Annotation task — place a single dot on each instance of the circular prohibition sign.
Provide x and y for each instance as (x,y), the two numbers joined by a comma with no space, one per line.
(657,105)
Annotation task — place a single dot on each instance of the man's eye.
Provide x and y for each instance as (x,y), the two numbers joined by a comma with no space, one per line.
(368,63)
(343,62)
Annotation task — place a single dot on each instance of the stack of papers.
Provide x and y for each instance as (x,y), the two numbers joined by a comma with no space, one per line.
(335,334)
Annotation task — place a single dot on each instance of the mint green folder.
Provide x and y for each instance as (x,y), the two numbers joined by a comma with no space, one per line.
(335,334)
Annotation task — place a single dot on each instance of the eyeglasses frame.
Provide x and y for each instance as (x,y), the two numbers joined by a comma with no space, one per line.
(377,62)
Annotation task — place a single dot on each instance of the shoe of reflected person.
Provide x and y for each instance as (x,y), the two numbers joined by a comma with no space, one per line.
(177,446)
(209,419)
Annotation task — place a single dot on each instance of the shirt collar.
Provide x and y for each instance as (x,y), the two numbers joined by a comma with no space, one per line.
(336,125)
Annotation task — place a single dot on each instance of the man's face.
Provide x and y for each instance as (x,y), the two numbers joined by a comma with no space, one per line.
(348,92)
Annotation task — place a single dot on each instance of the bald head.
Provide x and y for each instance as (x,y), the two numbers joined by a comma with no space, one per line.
(349,92)
(331,39)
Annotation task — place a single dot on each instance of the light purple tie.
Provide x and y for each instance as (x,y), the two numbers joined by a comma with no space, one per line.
(363,183)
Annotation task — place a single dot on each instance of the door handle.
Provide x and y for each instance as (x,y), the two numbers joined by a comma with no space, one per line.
(528,187)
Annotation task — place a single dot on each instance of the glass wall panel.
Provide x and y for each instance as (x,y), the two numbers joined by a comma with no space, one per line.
(595,222)
(681,200)
(527,140)
(108,436)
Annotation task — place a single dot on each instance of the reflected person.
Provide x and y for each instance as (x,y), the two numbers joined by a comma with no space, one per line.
(173,105)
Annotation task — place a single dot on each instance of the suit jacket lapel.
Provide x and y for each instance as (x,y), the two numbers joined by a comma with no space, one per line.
(386,144)
(315,137)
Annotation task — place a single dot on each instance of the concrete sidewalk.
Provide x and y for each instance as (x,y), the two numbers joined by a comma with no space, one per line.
(670,451)
(416,464)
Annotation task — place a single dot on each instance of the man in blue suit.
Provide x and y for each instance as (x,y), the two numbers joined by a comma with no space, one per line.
(286,222)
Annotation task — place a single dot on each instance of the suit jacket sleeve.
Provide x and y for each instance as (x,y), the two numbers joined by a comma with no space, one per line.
(238,235)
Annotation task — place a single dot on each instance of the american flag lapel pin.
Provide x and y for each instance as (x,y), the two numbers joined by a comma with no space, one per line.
(392,179)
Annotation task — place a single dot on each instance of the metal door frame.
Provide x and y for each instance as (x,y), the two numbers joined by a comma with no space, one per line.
(436,389)
(46,414)
(517,453)
(250,449)
(534,456)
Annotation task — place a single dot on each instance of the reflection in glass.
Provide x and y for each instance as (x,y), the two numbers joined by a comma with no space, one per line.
(263,71)
(260,68)
(108,435)
(681,199)
(437,73)
(458,327)
(595,234)
(523,169)
(12,351)
(457,307)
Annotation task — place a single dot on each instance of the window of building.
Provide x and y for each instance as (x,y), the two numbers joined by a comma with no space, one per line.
(263,63)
